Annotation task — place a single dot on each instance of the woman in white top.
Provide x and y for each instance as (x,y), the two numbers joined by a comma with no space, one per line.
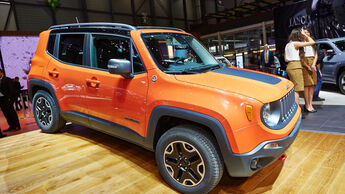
(309,74)
(294,52)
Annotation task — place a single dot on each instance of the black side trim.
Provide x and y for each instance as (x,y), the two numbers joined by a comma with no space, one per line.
(104,126)
(249,74)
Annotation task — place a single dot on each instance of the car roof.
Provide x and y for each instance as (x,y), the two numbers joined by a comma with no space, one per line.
(113,26)
(329,40)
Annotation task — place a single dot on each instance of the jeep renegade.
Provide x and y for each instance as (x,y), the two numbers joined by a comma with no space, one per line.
(160,88)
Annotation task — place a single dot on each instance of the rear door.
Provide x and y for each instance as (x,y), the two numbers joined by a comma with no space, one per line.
(64,68)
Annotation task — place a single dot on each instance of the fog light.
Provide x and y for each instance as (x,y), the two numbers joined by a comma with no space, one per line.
(254,164)
(271,145)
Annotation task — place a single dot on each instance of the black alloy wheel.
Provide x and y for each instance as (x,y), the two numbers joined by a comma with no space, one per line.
(47,112)
(44,112)
(184,163)
(189,160)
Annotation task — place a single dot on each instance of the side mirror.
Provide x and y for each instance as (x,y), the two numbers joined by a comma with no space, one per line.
(330,52)
(121,67)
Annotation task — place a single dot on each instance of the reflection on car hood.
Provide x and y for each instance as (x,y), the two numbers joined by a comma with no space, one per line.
(263,87)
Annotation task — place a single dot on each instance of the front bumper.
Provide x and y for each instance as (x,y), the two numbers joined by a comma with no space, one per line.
(239,165)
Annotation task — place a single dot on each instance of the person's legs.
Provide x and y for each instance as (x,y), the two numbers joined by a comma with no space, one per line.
(297,97)
(4,108)
(306,97)
(318,85)
(310,96)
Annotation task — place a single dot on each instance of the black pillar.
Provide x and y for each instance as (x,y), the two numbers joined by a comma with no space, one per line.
(13,5)
(185,14)
(216,9)
(84,8)
(171,16)
(153,12)
(203,11)
(134,14)
(111,10)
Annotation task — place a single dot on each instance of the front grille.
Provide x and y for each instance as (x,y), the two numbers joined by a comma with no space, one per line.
(288,105)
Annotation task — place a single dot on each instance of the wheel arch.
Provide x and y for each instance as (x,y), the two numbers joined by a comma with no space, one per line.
(164,118)
(36,84)
(340,70)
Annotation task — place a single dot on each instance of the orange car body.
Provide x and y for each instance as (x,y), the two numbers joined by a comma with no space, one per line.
(115,99)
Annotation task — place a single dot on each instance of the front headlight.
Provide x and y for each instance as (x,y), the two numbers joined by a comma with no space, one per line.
(270,113)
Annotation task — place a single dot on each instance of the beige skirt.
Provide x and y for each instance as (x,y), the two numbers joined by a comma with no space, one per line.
(309,77)
(294,70)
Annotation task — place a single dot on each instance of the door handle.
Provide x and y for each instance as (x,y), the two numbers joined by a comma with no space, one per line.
(93,82)
(53,73)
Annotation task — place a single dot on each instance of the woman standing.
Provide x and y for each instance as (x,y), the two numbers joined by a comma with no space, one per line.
(309,73)
(294,53)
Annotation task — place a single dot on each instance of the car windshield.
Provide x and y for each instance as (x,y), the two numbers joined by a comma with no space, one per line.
(340,45)
(179,53)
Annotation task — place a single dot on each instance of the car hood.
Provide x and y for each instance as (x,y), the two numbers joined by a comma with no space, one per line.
(261,86)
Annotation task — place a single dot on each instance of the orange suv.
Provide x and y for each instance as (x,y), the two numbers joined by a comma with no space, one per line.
(159,88)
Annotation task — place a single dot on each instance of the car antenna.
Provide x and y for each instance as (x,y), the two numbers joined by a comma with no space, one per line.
(76,18)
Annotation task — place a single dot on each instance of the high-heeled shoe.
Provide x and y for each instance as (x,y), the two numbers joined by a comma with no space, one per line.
(309,111)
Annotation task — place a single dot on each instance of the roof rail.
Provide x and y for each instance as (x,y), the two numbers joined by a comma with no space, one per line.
(94,24)
(159,27)
(323,39)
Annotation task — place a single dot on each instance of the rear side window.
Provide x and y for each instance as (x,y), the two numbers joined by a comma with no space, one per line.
(71,48)
(51,43)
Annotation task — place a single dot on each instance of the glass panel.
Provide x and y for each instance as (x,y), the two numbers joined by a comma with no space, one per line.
(106,47)
(138,65)
(71,48)
(51,43)
(178,53)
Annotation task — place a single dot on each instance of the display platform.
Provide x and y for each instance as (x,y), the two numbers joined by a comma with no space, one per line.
(82,160)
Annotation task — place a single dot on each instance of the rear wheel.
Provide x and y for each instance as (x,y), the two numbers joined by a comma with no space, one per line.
(341,82)
(188,160)
(47,113)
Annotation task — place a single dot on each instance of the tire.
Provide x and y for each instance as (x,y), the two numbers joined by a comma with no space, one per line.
(47,113)
(193,154)
(341,82)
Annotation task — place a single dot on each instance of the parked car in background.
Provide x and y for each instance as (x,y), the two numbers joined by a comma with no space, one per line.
(333,70)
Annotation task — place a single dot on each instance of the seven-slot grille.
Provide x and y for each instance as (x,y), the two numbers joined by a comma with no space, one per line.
(287,104)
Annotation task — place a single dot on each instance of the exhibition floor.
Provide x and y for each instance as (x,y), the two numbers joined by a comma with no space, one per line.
(83,160)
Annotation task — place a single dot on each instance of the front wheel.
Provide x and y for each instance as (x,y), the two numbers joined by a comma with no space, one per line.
(47,113)
(188,160)
(341,82)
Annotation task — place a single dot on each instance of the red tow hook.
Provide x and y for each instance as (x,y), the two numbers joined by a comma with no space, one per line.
(282,157)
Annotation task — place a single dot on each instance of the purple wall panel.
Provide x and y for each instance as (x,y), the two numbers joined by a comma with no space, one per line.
(17,52)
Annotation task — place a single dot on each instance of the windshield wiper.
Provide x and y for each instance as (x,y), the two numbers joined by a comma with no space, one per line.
(210,68)
(185,71)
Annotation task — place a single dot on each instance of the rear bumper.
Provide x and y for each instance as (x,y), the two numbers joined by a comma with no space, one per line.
(239,165)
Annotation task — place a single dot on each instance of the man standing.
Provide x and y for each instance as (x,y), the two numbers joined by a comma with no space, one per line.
(266,58)
(6,102)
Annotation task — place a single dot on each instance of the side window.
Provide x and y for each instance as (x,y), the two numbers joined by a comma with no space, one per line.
(106,47)
(71,48)
(325,47)
(51,43)
(138,65)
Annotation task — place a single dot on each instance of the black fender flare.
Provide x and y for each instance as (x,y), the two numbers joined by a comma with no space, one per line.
(43,84)
(216,127)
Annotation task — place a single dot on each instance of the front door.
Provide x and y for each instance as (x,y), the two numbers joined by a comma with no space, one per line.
(113,99)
